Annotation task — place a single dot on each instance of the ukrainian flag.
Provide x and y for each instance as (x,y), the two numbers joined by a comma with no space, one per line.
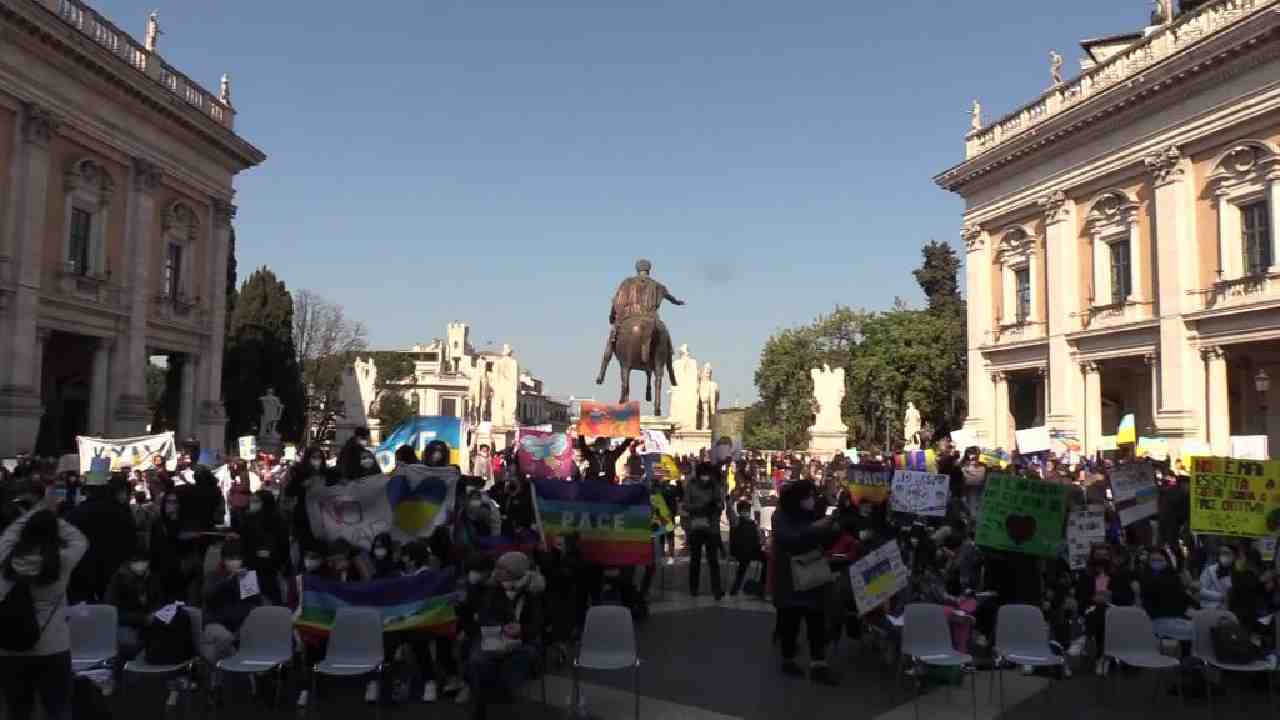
(417,432)
(1126,434)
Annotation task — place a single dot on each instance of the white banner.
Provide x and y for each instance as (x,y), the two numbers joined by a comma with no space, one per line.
(920,493)
(409,504)
(128,452)
(1033,440)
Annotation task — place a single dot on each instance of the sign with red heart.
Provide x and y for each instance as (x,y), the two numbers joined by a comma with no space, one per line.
(1022,515)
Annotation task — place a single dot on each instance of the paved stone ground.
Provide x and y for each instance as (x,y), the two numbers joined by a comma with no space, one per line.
(715,661)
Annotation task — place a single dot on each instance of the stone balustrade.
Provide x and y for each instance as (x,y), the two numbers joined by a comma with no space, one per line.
(119,43)
(1183,32)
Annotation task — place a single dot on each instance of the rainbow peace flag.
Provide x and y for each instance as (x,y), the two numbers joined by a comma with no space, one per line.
(416,432)
(920,460)
(525,541)
(611,521)
(421,603)
(1126,434)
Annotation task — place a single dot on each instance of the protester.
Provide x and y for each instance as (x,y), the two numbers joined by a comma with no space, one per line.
(799,531)
(1215,580)
(136,592)
(510,621)
(704,501)
(744,545)
(106,521)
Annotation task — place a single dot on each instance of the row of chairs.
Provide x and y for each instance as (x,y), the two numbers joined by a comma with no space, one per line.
(355,646)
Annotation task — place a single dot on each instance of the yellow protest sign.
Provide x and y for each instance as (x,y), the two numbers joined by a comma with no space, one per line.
(1235,497)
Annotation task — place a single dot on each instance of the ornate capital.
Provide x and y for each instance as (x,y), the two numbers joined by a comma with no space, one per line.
(146,175)
(1165,166)
(1089,367)
(223,212)
(1055,206)
(39,123)
(997,376)
(972,236)
(1150,359)
(1213,352)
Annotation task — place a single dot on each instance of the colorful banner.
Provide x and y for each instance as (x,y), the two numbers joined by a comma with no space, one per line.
(920,460)
(1022,515)
(1230,496)
(134,452)
(604,420)
(417,432)
(996,458)
(869,483)
(545,454)
(424,602)
(1126,434)
(660,516)
(663,466)
(1134,491)
(920,493)
(878,576)
(410,504)
(1154,448)
(611,521)
(1085,528)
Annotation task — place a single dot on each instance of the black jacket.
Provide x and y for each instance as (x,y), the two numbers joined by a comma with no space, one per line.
(108,525)
(602,466)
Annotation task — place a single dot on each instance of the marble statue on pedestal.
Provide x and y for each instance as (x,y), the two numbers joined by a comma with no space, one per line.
(505,389)
(911,426)
(478,393)
(272,409)
(828,393)
(708,397)
(684,396)
(153,31)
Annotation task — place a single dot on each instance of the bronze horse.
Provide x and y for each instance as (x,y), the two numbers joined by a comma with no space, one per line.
(633,334)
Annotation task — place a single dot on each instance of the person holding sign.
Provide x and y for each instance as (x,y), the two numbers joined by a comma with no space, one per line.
(231,592)
(799,535)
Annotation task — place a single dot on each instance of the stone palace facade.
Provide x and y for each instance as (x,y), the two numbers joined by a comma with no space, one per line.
(115,221)
(1121,235)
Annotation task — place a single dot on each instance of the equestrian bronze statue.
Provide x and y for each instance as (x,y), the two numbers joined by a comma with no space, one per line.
(637,337)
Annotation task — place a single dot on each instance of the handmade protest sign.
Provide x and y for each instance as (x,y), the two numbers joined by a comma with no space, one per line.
(1085,528)
(1230,496)
(869,483)
(1033,440)
(1133,488)
(248,447)
(655,443)
(132,451)
(1022,515)
(604,420)
(878,576)
(611,521)
(410,504)
(545,454)
(920,493)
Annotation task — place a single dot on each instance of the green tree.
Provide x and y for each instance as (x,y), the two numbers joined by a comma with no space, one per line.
(259,355)
(785,410)
(939,278)
(390,405)
(392,409)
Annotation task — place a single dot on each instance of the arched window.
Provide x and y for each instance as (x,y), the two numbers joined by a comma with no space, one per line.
(1017,276)
(1246,185)
(181,228)
(1118,268)
(89,190)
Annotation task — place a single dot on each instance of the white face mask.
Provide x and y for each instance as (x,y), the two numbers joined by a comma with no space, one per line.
(233,566)
(28,565)
(380,553)
(140,567)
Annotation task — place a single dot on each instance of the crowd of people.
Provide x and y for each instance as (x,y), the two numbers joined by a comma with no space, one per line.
(146,538)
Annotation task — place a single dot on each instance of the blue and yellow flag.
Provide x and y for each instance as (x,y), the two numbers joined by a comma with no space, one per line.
(1127,434)
(417,432)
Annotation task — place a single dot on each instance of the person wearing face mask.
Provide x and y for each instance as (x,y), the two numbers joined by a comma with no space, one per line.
(227,602)
(434,654)
(108,524)
(264,532)
(1165,599)
(510,616)
(1094,593)
(480,518)
(39,551)
(703,504)
(744,545)
(350,452)
(386,563)
(436,454)
(136,592)
(1215,581)
(312,468)
(798,530)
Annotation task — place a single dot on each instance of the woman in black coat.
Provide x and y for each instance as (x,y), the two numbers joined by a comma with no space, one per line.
(799,529)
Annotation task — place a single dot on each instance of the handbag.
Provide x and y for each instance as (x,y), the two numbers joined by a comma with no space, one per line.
(1232,645)
(809,570)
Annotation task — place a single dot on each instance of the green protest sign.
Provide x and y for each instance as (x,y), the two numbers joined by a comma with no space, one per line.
(1022,515)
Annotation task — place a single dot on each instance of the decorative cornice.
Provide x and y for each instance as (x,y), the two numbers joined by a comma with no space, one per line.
(1111,209)
(1056,207)
(39,123)
(1165,166)
(223,212)
(146,175)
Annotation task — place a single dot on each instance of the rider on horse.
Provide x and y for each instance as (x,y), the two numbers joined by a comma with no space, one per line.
(637,297)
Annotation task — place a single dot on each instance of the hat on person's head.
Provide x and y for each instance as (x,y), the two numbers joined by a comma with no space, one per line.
(511,567)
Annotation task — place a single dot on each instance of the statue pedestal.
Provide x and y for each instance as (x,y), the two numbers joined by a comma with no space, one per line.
(270,443)
(690,442)
(827,443)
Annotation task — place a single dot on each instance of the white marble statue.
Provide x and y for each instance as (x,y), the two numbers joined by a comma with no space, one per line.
(684,396)
(153,31)
(975,116)
(911,426)
(272,409)
(224,89)
(505,388)
(366,377)
(828,393)
(478,393)
(1055,67)
(708,397)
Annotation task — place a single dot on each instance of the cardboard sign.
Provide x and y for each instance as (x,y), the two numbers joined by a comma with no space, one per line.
(964,439)
(1085,528)
(1033,440)
(248,446)
(869,483)
(1022,515)
(249,585)
(655,443)
(1236,497)
(878,576)
(1133,488)
(920,493)
(1249,447)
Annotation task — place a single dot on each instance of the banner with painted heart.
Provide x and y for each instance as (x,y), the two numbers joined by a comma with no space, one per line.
(544,454)
(134,452)
(1022,515)
(409,504)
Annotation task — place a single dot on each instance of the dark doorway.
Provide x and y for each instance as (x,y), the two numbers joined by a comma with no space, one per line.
(64,388)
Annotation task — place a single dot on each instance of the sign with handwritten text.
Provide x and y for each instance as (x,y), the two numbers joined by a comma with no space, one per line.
(1231,496)
(920,493)
(1085,528)
(1133,487)
(1022,515)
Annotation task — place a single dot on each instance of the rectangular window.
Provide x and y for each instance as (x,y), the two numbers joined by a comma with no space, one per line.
(448,407)
(78,252)
(173,270)
(1022,280)
(1255,219)
(1121,278)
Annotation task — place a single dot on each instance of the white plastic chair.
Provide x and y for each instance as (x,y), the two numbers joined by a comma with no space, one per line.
(140,666)
(94,641)
(266,644)
(926,640)
(608,643)
(355,648)
(1203,624)
(1130,640)
(1022,638)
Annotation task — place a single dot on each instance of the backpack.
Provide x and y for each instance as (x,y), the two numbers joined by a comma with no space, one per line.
(18,618)
(1231,643)
(169,643)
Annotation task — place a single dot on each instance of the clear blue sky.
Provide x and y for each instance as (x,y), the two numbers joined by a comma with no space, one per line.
(504,163)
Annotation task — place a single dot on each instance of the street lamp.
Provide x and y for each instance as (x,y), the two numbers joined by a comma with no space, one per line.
(1262,383)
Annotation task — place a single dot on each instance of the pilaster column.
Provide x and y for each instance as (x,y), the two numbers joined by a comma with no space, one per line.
(141,227)
(98,387)
(213,418)
(1062,268)
(1219,404)
(1001,410)
(1273,206)
(1092,406)
(187,396)
(979,315)
(1152,361)
(20,402)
